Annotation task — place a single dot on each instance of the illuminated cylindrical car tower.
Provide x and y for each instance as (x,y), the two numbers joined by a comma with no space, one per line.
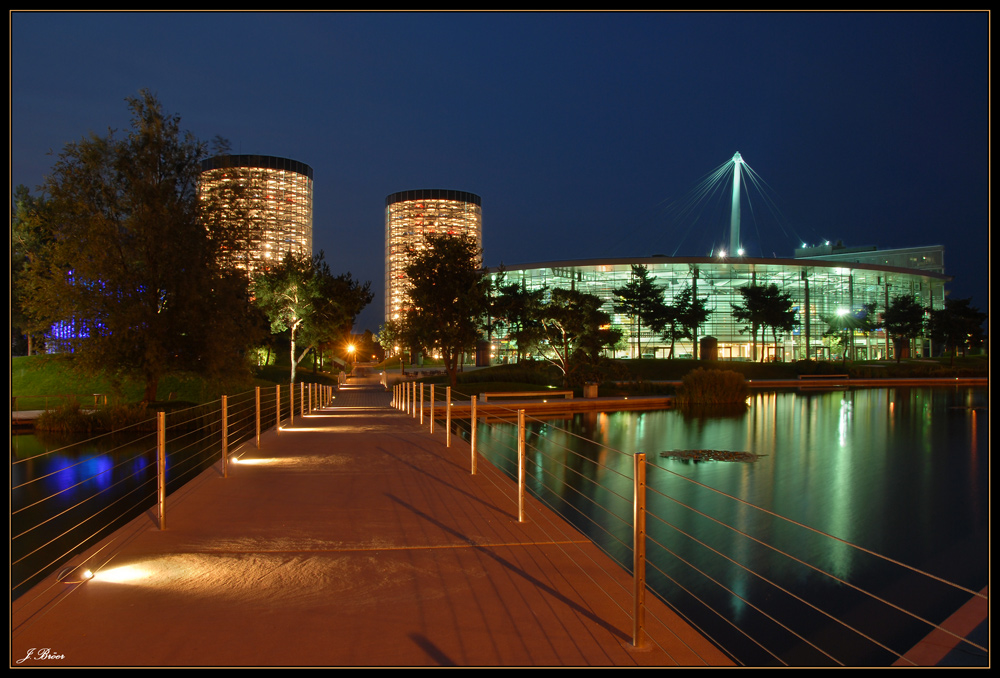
(410,216)
(274,203)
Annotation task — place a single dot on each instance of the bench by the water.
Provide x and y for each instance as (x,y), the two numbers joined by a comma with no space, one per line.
(526,394)
(808,381)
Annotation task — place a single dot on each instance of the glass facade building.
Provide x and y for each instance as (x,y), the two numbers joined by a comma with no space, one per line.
(410,216)
(819,289)
(270,198)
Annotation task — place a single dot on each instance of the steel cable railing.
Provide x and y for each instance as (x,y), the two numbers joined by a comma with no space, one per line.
(550,465)
(611,544)
(56,515)
(556,532)
(817,570)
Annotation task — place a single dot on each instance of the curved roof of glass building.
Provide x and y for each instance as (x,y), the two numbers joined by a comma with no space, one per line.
(710,264)
(262,161)
(434,194)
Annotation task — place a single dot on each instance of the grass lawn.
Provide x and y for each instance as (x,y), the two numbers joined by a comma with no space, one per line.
(44,382)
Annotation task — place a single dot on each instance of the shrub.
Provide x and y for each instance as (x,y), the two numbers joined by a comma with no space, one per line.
(712,387)
(68,417)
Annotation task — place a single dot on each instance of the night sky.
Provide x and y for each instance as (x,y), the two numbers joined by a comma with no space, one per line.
(584,133)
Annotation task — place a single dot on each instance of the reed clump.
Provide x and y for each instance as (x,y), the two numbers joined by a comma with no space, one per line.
(70,417)
(712,387)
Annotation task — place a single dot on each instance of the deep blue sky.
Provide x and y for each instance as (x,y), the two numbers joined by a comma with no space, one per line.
(579,130)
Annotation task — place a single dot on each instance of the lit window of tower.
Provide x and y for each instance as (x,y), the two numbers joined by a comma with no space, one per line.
(410,216)
(269,198)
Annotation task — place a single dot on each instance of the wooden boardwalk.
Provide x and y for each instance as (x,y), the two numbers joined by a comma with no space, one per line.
(352,538)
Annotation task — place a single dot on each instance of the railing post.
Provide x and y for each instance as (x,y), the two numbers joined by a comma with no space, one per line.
(161,467)
(225,436)
(639,551)
(447,416)
(257,416)
(432,406)
(520,466)
(291,403)
(421,404)
(302,398)
(277,409)
(472,433)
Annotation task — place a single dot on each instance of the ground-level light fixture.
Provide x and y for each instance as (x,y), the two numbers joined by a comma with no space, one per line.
(74,574)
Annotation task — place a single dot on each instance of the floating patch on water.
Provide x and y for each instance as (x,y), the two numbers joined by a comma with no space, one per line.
(711,455)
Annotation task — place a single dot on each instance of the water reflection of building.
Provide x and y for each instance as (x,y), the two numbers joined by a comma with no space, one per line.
(821,282)
(410,216)
(270,197)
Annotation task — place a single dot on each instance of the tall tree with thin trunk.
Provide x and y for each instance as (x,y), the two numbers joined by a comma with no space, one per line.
(765,306)
(301,296)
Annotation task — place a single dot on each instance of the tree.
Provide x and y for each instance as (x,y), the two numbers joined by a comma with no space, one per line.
(574,324)
(301,296)
(843,324)
(681,319)
(28,240)
(448,294)
(765,306)
(519,309)
(388,338)
(693,313)
(958,325)
(130,259)
(904,321)
(641,300)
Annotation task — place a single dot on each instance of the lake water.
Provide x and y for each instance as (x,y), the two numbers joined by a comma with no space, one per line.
(899,472)
(67,495)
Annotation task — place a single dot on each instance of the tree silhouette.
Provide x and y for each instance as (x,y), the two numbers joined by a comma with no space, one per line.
(575,326)
(642,301)
(448,293)
(765,306)
(958,325)
(904,321)
(132,260)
